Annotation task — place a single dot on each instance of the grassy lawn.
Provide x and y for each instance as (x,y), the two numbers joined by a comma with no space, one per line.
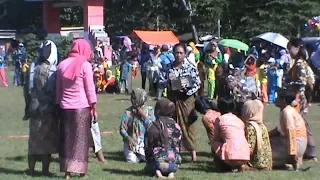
(13,151)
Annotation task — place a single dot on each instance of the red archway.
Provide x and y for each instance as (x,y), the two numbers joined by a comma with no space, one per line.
(92,13)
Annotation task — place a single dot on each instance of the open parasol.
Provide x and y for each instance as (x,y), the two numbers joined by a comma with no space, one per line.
(274,38)
(233,43)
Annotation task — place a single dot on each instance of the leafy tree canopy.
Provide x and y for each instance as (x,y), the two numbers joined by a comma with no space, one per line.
(241,19)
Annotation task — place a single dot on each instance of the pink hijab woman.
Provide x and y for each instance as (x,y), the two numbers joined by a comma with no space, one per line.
(77,99)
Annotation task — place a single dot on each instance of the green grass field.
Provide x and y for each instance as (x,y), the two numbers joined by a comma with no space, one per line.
(13,150)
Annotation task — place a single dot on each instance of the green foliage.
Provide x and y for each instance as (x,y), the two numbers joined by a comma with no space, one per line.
(248,18)
(71,17)
(32,44)
(64,45)
(240,19)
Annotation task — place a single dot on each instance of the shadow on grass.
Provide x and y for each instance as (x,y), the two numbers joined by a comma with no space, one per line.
(17,158)
(25,172)
(25,158)
(186,157)
(123,99)
(207,167)
(125,172)
(115,156)
(11,171)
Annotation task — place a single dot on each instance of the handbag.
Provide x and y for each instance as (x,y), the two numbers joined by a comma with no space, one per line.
(96,136)
(181,83)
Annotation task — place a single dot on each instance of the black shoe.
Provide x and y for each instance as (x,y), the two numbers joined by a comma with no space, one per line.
(25,118)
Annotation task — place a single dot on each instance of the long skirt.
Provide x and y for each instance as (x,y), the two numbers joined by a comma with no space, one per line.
(279,146)
(43,135)
(264,92)
(75,140)
(202,78)
(185,117)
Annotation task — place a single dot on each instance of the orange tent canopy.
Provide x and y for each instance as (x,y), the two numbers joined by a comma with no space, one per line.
(156,37)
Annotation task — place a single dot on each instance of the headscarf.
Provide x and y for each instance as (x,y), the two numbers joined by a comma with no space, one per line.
(138,97)
(109,74)
(251,69)
(164,109)
(80,53)
(252,113)
(49,51)
(194,48)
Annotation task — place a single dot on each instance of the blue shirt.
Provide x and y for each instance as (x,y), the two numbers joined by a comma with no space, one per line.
(125,70)
(1,61)
(166,58)
(144,58)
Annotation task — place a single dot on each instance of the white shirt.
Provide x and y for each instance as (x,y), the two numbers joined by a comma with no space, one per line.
(192,59)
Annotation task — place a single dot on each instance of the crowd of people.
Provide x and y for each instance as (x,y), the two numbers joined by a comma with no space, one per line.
(61,106)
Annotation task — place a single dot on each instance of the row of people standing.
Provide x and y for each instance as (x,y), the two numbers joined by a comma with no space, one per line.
(62,108)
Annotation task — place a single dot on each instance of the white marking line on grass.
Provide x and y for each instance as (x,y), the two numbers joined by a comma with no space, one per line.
(27,136)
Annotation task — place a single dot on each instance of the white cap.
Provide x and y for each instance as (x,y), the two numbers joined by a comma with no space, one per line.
(200,45)
(271,60)
(189,49)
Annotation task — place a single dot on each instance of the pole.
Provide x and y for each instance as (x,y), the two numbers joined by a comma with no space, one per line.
(157,22)
(219,29)
(158,15)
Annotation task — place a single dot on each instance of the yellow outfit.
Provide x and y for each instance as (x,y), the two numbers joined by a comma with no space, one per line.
(262,76)
(211,80)
(211,72)
(25,67)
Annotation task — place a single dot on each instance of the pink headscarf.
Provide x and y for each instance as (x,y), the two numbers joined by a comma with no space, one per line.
(80,52)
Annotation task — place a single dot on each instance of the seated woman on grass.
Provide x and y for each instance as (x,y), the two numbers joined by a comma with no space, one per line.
(163,141)
(210,113)
(111,83)
(257,136)
(135,120)
(289,138)
(231,147)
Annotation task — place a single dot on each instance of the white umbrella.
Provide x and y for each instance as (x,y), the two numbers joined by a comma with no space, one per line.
(274,38)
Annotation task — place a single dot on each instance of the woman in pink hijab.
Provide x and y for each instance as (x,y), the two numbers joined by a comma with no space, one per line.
(77,99)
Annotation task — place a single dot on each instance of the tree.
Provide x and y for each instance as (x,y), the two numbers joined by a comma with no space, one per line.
(248,18)
(72,16)
(19,14)
(32,44)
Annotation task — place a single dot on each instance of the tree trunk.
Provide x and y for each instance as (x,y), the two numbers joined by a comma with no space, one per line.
(188,7)
(195,33)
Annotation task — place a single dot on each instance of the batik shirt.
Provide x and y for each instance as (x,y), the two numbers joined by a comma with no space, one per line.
(263,158)
(188,70)
(134,127)
(170,154)
(238,90)
(301,74)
